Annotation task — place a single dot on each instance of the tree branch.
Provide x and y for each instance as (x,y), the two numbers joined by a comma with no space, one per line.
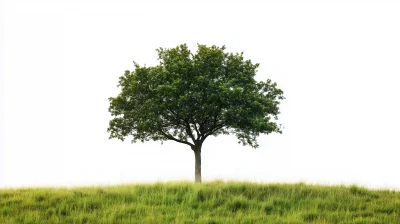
(174,118)
(216,128)
(197,130)
(189,131)
(170,137)
(214,123)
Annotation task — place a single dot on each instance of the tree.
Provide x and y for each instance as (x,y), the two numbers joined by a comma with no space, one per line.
(189,97)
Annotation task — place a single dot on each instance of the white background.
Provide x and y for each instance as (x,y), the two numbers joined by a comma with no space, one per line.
(337,62)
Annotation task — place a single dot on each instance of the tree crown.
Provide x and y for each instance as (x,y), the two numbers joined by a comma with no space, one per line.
(188,97)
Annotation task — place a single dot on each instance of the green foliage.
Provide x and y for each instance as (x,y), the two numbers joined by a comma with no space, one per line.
(211,202)
(188,97)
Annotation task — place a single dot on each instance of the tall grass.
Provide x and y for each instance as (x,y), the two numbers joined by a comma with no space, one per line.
(212,202)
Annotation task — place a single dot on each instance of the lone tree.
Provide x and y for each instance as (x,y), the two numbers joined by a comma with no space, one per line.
(189,97)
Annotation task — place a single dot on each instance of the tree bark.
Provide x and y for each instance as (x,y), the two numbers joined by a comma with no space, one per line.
(197,168)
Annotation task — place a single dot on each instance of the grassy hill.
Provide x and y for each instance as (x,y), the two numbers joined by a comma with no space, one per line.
(213,202)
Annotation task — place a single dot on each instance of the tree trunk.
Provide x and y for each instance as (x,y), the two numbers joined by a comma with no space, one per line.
(197,168)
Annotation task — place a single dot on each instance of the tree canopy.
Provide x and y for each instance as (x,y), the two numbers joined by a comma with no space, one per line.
(189,96)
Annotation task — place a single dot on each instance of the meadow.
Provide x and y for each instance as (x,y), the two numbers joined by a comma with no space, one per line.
(209,202)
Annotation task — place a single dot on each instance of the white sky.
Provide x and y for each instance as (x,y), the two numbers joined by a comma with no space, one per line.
(338,65)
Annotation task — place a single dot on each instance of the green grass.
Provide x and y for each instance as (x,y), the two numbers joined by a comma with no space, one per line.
(212,202)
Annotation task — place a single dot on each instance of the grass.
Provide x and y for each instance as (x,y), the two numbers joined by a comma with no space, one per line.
(211,202)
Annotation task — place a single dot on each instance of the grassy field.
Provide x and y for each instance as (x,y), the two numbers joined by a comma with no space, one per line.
(213,202)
